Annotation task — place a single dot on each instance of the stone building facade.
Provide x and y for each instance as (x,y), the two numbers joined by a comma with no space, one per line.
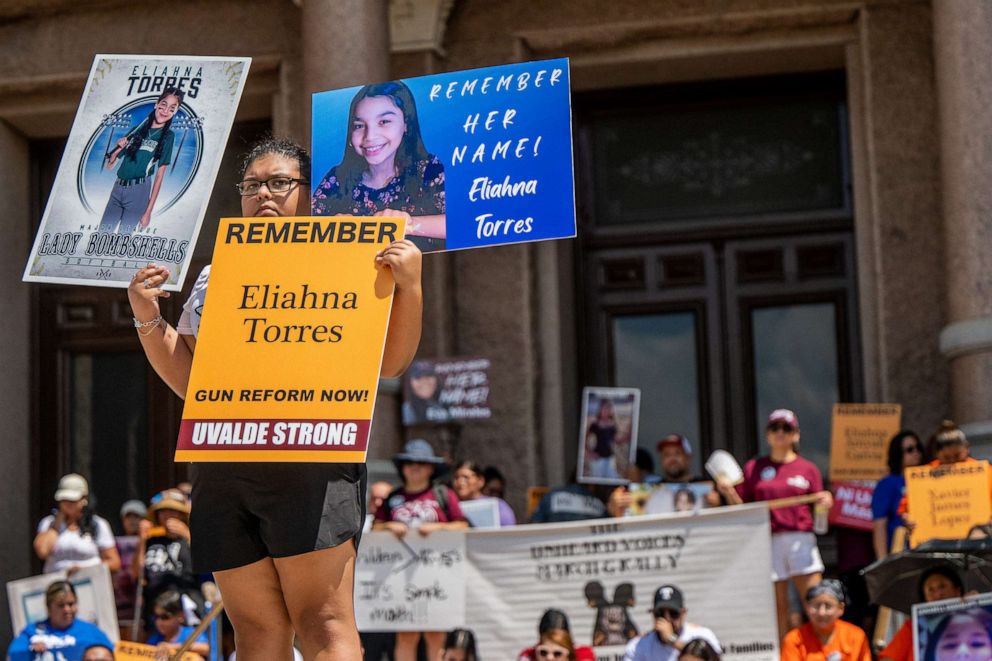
(856,251)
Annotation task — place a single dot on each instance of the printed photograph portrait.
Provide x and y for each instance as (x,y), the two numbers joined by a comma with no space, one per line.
(668,498)
(385,167)
(608,439)
(140,161)
(954,629)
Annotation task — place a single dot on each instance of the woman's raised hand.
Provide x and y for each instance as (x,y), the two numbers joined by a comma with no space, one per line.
(144,291)
(404,259)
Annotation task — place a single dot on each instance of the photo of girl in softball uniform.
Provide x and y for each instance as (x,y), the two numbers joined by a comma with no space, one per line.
(144,153)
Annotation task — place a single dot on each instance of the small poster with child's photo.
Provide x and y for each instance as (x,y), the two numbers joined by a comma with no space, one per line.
(953,629)
(608,434)
(668,498)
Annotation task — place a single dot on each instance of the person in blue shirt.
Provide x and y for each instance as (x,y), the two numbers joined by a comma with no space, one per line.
(61,637)
(905,449)
(170,627)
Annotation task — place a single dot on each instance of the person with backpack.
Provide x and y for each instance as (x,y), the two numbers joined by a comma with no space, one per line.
(425,507)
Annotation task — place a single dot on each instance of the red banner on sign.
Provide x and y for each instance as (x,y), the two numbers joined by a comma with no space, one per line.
(852,505)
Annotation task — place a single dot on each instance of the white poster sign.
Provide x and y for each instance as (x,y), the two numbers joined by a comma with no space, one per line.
(138,169)
(603,575)
(481,512)
(94,593)
(412,584)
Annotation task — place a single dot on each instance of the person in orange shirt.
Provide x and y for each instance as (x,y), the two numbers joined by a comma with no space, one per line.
(826,637)
(938,582)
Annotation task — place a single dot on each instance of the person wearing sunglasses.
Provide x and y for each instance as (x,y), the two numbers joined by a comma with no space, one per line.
(552,620)
(672,632)
(555,645)
(781,474)
(171,631)
(905,450)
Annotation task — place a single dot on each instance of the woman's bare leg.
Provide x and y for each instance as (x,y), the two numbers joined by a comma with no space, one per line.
(804,583)
(318,588)
(782,607)
(253,599)
(406,646)
(434,641)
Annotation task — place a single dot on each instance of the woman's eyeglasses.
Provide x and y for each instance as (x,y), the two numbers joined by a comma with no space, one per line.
(913,449)
(250,187)
(548,653)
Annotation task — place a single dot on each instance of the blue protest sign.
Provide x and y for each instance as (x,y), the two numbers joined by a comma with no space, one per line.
(475,158)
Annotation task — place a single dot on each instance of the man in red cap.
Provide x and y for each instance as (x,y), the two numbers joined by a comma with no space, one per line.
(675,457)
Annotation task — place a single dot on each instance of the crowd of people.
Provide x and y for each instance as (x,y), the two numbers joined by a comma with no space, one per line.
(281,539)
(158,590)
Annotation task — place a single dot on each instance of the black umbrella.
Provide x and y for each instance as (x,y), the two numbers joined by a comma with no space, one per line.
(894,581)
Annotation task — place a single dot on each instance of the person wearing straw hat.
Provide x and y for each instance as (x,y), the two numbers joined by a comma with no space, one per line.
(425,507)
(164,560)
(72,536)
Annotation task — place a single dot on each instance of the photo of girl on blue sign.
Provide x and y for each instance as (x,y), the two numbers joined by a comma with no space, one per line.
(385,169)
(145,150)
(473,158)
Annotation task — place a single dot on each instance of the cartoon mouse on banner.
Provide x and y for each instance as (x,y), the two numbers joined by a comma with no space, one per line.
(613,625)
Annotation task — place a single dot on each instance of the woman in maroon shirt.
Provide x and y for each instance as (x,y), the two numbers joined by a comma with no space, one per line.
(781,474)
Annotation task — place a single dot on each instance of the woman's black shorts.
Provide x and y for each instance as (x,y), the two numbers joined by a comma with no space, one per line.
(244,512)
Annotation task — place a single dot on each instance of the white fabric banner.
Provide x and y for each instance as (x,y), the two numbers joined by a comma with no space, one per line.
(603,575)
(413,584)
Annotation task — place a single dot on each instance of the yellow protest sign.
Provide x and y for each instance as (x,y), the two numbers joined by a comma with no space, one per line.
(126,650)
(290,342)
(944,502)
(859,440)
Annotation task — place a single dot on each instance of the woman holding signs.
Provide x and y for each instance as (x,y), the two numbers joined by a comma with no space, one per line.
(276,535)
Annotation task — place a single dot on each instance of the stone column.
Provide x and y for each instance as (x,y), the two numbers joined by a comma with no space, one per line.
(962,51)
(15,400)
(345,43)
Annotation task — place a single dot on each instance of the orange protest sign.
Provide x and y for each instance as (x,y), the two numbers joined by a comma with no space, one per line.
(859,440)
(126,650)
(290,342)
(944,502)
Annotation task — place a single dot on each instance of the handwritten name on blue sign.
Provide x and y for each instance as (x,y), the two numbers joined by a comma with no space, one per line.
(475,158)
